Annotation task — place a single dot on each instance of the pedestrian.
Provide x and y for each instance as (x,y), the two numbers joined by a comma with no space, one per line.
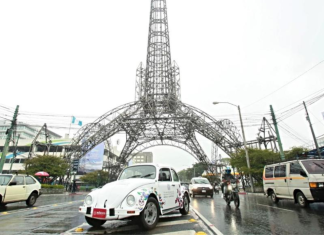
(74,186)
(67,186)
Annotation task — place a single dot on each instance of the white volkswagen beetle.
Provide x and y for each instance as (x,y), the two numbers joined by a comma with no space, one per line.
(142,192)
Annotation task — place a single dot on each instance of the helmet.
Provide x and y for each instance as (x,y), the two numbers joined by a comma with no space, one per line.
(227,171)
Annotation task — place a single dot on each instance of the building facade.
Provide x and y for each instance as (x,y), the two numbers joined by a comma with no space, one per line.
(144,157)
(25,131)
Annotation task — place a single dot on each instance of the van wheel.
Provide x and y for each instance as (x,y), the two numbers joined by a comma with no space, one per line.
(274,198)
(32,199)
(301,199)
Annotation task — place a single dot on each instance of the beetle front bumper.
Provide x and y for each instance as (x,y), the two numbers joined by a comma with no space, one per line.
(108,213)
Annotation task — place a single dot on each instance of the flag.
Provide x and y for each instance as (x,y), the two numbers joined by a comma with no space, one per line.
(76,121)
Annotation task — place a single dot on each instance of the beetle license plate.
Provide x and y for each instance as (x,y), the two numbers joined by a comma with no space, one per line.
(203,191)
(99,213)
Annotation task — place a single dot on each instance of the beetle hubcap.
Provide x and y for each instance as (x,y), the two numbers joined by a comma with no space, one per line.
(150,213)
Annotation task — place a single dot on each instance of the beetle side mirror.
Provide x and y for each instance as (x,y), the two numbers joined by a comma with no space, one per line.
(303,173)
(12,183)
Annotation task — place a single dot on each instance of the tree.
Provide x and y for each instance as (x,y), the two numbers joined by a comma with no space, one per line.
(196,170)
(258,159)
(54,166)
(294,152)
(95,178)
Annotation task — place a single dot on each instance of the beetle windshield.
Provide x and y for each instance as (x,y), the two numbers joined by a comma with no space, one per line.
(4,179)
(201,181)
(314,166)
(147,172)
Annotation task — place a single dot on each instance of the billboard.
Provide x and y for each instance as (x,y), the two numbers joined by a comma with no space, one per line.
(93,160)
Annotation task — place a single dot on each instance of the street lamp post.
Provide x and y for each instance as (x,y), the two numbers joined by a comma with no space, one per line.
(244,140)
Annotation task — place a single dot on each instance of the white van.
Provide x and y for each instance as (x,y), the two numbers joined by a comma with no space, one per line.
(300,180)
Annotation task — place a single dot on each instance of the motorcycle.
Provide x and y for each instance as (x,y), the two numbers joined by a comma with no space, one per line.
(216,189)
(231,193)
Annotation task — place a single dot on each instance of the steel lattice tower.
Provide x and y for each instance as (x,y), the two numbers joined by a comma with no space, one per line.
(157,117)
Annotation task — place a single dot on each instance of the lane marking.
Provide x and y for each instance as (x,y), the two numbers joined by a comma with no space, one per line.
(275,207)
(123,227)
(34,208)
(210,225)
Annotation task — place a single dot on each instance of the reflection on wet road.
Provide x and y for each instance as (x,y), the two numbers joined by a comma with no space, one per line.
(258,215)
(59,214)
(51,214)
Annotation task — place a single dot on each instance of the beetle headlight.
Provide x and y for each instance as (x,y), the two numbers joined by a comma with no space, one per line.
(88,200)
(130,200)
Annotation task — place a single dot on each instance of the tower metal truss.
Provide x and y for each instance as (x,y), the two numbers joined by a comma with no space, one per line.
(266,136)
(157,116)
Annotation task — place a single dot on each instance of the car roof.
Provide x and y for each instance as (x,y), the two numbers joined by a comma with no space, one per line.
(15,174)
(285,162)
(152,164)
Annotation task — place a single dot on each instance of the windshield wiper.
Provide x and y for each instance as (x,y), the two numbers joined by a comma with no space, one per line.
(319,166)
(147,175)
(134,176)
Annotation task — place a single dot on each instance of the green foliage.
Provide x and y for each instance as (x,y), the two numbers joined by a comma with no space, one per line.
(54,166)
(293,152)
(196,170)
(212,178)
(52,186)
(258,159)
(94,179)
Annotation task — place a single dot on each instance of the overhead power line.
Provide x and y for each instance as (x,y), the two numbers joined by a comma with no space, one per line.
(286,84)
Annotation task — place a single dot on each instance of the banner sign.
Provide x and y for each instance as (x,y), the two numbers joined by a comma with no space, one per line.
(93,160)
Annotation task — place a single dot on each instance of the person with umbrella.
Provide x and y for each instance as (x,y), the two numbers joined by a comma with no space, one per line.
(42,174)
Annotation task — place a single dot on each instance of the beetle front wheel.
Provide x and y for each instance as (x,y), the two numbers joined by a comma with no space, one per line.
(149,217)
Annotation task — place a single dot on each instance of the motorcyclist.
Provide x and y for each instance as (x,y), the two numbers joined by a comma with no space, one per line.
(227,177)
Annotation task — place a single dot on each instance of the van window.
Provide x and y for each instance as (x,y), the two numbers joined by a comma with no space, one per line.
(314,166)
(269,172)
(280,171)
(295,168)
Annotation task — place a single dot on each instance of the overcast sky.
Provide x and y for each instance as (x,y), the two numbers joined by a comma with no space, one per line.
(80,58)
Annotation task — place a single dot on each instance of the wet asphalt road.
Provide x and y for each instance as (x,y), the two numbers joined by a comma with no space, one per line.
(58,214)
(50,215)
(258,215)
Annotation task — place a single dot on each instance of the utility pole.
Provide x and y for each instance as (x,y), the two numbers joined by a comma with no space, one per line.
(9,134)
(282,154)
(311,127)
(14,153)
(245,148)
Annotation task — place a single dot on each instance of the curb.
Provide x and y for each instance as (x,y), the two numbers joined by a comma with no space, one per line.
(207,223)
